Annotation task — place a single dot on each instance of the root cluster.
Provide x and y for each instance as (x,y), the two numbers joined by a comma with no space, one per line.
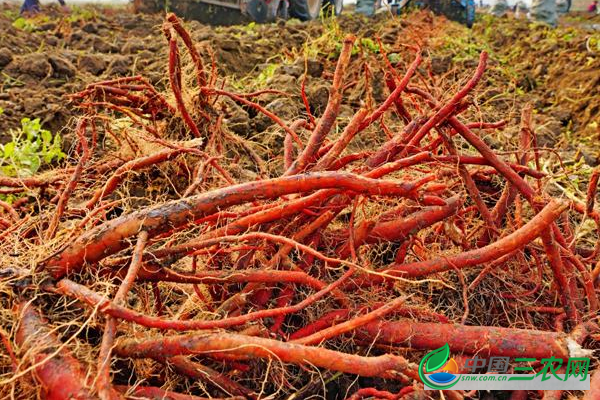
(171,260)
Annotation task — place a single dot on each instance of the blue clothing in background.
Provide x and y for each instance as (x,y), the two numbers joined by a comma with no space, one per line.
(33,6)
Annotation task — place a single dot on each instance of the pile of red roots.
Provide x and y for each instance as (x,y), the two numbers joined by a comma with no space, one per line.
(352,262)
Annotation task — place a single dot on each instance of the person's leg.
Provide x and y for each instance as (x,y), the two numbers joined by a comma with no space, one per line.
(298,9)
(366,7)
(544,11)
(30,6)
(562,6)
(499,8)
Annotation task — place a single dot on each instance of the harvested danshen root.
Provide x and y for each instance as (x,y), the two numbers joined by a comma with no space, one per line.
(387,366)
(361,243)
(109,238)
(58,373)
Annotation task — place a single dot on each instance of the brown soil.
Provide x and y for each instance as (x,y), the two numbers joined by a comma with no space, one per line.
(554,69)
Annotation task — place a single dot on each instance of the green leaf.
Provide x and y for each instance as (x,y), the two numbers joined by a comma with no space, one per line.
(30,147)
(20,23)
(27,128)
(394,58)
(46,137)
(437,358)
(24,24)
(34,165)
(9,149)
(8,170)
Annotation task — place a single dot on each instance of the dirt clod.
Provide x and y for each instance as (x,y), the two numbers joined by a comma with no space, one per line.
(93,63)
(134,45)
(62,67)
(119,66)
(287,109)
(318,96)
(6,57)
(33,66)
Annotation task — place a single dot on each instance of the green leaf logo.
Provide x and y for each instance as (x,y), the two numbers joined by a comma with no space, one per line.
(437,358)
(432,361)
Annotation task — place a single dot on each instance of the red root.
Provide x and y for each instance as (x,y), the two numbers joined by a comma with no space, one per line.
(516,240)
(109,237)
(326,122)
(59,374)
(482,340)
(66,193)
(387,366)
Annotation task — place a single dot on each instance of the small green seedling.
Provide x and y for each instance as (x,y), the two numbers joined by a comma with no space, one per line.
(24,24)
(30,147)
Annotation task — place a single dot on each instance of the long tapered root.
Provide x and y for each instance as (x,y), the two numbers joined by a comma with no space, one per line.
(387,366)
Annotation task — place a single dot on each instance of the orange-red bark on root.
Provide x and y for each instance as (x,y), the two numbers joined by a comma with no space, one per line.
(111,236)
(400,229)
(482,340)
(516,240)
(329,115)
(386,366)
(60,376)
